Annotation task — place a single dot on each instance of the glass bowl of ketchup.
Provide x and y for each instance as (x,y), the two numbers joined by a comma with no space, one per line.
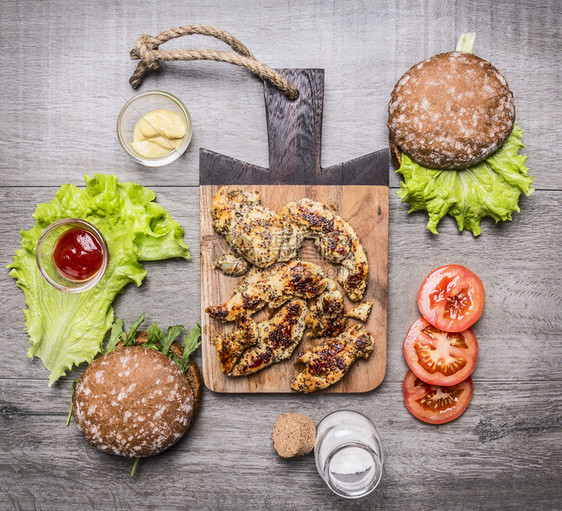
(72,255)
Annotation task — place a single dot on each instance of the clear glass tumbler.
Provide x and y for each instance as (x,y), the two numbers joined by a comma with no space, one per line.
(348,454)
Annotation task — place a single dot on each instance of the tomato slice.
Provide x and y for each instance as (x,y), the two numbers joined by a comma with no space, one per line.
(434,404)
(437,357)
(451,298)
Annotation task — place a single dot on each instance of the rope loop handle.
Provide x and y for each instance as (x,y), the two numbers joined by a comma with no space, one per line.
(147,50)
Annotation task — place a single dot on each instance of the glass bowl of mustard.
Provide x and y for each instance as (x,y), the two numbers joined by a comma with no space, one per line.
(154,128)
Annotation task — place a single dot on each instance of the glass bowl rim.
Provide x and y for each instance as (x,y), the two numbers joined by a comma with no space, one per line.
(87,284)
(172,155)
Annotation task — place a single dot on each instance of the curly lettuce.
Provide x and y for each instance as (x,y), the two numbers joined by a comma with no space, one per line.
(66,329)
(491,188)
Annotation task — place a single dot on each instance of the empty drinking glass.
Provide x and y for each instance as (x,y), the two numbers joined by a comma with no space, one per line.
(348,454)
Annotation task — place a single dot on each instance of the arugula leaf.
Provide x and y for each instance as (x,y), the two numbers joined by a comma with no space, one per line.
(132,336)
(71,402)
(192,341)
(157,340)
(135,465)
(117,334)
(66,329)
(154,335)
(169,338)
(491,188)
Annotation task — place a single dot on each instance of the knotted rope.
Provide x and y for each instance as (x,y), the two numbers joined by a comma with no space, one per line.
(147,51)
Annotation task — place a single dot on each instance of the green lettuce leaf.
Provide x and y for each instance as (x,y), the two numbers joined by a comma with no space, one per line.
(491,188)
(66,329)
(466,42)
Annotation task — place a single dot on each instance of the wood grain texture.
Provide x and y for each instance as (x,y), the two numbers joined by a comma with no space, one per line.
(366,208)
(295,141)
(64,78)
(294,128)
(66,87)
(294,131)
(518,330)
(455,466)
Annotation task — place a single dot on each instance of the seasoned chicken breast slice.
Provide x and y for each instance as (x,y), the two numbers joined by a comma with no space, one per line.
(328,362)
(362,311)
(335,240)
(228,205)
(273,286)
(326,317)
(331,234)
(253,230)
(232,265)
(263,238)
(277,339)
(231,346)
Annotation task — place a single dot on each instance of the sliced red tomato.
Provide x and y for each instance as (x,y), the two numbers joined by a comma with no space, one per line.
(451,298)
(434,404)
(437,357)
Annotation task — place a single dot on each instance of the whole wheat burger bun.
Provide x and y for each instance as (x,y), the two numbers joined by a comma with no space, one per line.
(136,402)
(450,111)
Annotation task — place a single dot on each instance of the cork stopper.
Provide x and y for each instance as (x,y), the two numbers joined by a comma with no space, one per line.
(294,435)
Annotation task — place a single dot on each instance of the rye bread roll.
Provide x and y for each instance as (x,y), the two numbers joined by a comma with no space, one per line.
(294,434)
(136,402)
(450,111)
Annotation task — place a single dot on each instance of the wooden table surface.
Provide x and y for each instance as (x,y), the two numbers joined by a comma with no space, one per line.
(63,79)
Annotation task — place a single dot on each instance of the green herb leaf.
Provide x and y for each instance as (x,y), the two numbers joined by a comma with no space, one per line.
(66,329)
(132,336)
(491,188)
(117,334)
(71,402)
(135,465)
(466,42)
(192,341)
(154,333)
(158,340)
(169,338)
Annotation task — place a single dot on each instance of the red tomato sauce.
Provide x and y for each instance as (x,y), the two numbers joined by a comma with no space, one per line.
(77,254)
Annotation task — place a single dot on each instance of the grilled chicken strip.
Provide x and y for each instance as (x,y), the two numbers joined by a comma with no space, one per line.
(231,346)
(276,339)
(232,265)
(335,240)
(264,238)
(327,363)
(326,317)
(273,287)
(254,231)
(362,311)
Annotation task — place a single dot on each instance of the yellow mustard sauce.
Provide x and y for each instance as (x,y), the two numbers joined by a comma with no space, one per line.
(158,133)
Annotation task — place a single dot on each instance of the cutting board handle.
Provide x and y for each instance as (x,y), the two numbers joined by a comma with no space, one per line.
(294,127)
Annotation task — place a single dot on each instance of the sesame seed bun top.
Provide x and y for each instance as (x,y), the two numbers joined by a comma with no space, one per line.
(134,402)
(450,111)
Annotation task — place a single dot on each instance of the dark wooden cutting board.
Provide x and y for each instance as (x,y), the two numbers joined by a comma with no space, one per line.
(358,189)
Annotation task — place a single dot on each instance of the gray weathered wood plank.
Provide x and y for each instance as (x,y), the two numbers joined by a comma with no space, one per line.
(66,87)
(521,275)
(227,460)
(65,71)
